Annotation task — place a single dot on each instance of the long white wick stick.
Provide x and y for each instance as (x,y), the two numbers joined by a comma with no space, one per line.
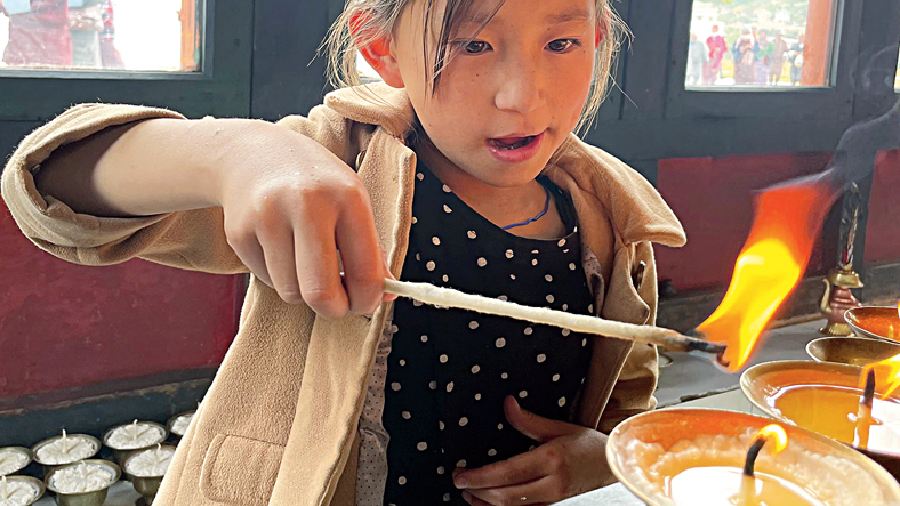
(448,297)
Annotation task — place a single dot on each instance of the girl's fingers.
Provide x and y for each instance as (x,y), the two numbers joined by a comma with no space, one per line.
(278,249)
(364,267)
(252,255)
(387,297)
(473,501)
(541,491)
(535,427)
(317,267)
(522,468)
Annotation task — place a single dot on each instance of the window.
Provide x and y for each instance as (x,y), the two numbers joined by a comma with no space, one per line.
(760,44)
(134,35)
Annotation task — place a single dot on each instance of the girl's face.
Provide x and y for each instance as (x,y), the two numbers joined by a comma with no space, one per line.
(508,98)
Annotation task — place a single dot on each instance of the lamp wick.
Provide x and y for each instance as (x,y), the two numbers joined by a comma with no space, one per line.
(752,454)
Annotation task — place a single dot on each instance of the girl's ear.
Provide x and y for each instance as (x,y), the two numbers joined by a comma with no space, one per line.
(604,21)
(378,52)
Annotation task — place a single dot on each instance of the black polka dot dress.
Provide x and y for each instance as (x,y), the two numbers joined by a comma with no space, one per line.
(450,370)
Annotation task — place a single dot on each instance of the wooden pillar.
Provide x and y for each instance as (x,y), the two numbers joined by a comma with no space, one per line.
(190,36)
(819,22)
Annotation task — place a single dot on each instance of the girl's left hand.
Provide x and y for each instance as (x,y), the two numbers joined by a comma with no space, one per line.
(570,460)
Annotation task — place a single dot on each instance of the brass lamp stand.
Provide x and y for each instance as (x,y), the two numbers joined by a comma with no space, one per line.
(838,297)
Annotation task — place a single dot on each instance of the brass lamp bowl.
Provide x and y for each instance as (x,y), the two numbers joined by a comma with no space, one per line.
(669,427)
(93,498)
(121,454)
(170,425)
(857,351)
(34,482)
(762,382)
(147,486)
(876,322)
(48,468)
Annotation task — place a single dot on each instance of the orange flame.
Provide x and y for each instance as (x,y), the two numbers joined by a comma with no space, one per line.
(773,434)
(887,373)
(787,221)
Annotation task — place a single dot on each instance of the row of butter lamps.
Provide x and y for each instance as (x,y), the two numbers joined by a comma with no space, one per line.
(77,478)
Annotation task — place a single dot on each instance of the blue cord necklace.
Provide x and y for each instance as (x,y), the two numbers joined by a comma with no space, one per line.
(534,218)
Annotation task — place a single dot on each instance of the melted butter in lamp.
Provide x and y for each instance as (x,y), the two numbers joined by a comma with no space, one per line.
(881,321)
(832,410)
(891,329)
(727,486)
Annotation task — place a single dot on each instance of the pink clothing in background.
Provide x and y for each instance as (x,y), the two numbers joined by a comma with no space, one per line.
(717,47)
(40,37)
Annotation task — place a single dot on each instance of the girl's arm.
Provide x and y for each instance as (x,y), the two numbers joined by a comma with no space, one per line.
(154,166)
(118,182)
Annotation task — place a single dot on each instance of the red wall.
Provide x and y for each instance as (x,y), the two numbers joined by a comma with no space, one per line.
(883,227)
(64,326)
(713,198)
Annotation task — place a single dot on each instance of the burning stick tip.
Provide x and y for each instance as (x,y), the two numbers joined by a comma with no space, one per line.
(694,340)
(705,347)
(697,342)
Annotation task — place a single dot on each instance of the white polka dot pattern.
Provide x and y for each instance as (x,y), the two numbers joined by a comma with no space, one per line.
(456,366)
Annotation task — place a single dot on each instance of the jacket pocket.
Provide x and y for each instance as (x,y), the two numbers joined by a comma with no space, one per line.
(623,300)
(239,470)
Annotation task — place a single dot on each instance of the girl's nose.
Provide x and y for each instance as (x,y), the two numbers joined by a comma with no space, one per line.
(519,89)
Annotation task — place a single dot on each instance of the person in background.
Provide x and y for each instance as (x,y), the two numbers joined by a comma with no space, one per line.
(735,56)
(110,56)
(763,50)
(744,58)
(38,33)
(4,29)
(779,48)
(717,48)
(795,57)
(86,23)
(697,61)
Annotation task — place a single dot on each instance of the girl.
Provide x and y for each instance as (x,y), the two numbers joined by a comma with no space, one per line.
(465,174)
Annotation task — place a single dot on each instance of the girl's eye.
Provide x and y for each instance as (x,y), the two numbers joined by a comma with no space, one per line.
(476,47)
(562,45)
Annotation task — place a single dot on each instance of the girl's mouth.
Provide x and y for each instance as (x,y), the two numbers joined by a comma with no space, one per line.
(512,143)
(515,149)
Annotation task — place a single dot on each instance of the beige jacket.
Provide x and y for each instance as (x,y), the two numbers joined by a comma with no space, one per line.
(280,424)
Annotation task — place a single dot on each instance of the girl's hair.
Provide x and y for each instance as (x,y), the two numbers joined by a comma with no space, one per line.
(371,19)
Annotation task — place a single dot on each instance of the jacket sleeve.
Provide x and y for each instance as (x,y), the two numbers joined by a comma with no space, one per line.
(633,392)
(192,240)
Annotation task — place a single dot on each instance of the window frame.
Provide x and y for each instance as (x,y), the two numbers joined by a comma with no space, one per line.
(220,88)
(659,119)
(835,100)
(879,44)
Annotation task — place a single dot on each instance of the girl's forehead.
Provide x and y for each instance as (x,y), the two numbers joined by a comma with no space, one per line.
(477,14)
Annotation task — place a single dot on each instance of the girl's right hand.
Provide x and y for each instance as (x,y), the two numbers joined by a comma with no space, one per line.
(297,216)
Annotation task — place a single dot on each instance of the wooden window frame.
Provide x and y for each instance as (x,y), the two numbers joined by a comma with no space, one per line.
(220,88)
